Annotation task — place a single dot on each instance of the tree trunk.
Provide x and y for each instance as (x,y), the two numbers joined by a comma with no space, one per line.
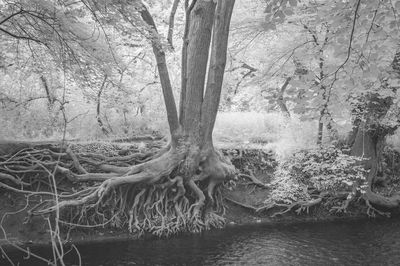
(98,113)
(50,98)
(172,22)
(281,99)
(200,28)
(216,68)
(320,133)
(166,86)
(332,130)
(367,140)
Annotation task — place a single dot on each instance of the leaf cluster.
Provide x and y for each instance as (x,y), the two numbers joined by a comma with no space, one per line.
(321,169)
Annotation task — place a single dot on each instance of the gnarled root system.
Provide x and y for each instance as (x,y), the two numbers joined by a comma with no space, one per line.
(158,195)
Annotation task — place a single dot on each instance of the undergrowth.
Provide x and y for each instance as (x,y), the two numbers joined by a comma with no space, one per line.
(316,170)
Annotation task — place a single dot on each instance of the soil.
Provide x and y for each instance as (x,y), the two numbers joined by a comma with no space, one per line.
(17,228)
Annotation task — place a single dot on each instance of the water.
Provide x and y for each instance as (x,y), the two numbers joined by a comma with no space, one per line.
(340,243)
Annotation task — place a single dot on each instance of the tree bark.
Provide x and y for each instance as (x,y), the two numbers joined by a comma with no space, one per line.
(367,140)
(216,68)
(98,113)
(50,98)
(172,22)
(201,23)
(188,10)
(159,54)
(281,100)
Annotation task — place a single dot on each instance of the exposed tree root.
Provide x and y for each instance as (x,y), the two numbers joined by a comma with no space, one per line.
(374,199)
(244,205)
(304,205)
(372,211)
(349,198)
(153,196)
(255,181)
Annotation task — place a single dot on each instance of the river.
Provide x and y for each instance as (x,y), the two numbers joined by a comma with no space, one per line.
(368,242)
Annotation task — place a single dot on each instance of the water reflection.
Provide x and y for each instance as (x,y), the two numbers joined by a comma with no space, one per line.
(344,243)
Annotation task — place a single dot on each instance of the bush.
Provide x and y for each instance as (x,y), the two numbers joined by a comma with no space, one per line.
(321,169)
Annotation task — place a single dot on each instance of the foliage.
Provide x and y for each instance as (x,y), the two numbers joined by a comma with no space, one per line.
(247,127)
(268,43)
(345,46)
(320,169)
(394,140)
(75,49)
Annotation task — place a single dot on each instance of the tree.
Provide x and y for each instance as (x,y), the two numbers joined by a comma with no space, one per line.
(173,190)
(362,36)
(343,46)
(376,117)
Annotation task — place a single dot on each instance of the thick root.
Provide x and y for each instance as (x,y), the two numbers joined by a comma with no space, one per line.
(200,198)
(343,207)
(255,181)
(154,196)
(301,206)
(374,200)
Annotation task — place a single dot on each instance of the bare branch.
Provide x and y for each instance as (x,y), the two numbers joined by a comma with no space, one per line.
(20,37)
(11,16)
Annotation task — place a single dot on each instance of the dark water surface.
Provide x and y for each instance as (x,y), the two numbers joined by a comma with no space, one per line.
(340,243)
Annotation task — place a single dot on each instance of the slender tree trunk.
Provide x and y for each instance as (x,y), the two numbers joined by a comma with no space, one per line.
(188,10)
(320,130)
(50,106)
(172,22)
(166,86)
(281,100)
(50,98)
(216,69)
(98,113)
(323,88)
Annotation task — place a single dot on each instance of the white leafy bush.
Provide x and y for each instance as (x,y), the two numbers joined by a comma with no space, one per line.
(321,169)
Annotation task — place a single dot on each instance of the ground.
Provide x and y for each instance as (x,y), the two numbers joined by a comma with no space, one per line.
(242,197)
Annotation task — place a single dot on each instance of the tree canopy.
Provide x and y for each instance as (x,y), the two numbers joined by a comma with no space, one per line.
(117,69)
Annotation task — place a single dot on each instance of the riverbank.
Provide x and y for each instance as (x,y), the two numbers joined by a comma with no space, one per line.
(243,199)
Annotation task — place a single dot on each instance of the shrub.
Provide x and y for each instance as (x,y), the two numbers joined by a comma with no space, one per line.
(321,169)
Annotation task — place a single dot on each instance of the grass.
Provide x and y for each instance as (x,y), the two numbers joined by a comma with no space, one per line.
(271,131)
